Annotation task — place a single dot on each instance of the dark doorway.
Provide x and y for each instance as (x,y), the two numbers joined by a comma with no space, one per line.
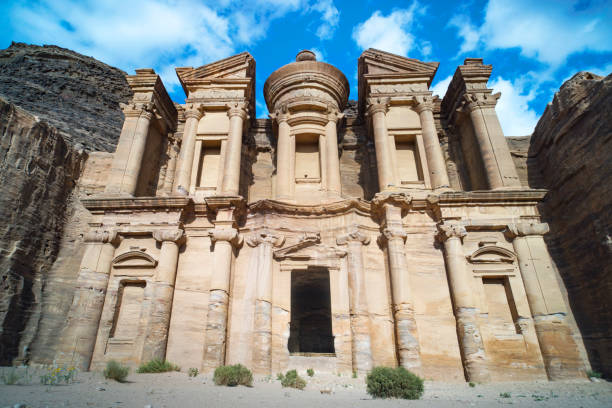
(311,326)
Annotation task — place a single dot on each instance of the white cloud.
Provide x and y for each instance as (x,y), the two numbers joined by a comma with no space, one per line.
(330,16)
(441,86)
(388,33)
(515,116)
(546,30)
(319,54)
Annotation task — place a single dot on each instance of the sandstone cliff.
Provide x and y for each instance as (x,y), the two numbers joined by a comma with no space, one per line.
(570,154)
(38,171)
(76,94)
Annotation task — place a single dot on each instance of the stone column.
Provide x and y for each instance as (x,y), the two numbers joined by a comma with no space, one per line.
(333,161)
(79,337)
(468,329)
(377,109)
(264,241)
(128,156)
(559,349)
(182,178)
(231,177)
(360,321)
(433,151)
(163,293)
(499,167)
(216,324)
(284,153)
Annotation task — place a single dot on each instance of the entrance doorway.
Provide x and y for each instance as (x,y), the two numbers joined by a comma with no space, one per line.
(311,325)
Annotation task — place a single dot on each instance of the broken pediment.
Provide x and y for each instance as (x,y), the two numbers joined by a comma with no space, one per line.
(491,254)
(237,71)
(381,63)
(134,259)
(308,248)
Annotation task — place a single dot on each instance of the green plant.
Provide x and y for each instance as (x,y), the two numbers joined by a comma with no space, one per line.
(310,372)
(193,372)
(55,375)
(293,380)
(15,375)
(472,385)
(233,375)
(505,395)
(593,374)
(386,382)
(157,366)
(280,376)
(116,371)
(354,374)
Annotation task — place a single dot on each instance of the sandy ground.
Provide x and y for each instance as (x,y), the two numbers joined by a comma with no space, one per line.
(178,390)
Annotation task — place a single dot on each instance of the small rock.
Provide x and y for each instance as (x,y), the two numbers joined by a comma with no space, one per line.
(595,379)
(326,391)
(101,389)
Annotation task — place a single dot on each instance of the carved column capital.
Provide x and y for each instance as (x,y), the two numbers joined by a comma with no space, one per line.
(390,234)
(230,235)
(479,100)
(138,109)
(423,103)
(523,229)
(265,237)
(194,111)
(237,109)
(401,200)
(170,235)
(333,115)
(353,235)
(447,231)
(375,105)
(102,236)
(280,115)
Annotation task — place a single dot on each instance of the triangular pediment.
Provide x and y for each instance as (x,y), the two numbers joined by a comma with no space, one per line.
(377,62)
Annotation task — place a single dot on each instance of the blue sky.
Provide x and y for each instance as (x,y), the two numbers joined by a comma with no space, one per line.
(533,45)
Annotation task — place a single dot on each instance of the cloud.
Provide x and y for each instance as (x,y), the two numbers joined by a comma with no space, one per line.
(515,116)
(319,54)
(389,33)
(330,16)
(441,87)
(548,31)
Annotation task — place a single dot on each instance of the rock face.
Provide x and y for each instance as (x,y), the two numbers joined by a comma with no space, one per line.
(76,94)
(75,100)
(571,155)
(38,173)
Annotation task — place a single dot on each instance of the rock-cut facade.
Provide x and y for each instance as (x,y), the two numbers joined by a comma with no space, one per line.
(335,235)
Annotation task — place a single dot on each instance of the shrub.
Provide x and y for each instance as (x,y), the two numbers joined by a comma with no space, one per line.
(293,380)
(505,395)
(55,375)
(193,372)
(280,376)
(233,375)
(472,385)
(386,382)
(157,366)
(310,372)
(593,374)
(116,371)
(354,374)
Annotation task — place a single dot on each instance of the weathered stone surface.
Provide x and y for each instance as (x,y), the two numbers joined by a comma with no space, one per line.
(38,174)
(519,148)
(570,154)
(78,95)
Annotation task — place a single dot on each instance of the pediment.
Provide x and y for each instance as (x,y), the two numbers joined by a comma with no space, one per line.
(308,248)
(491,254)
(134,259)
(377,62)
(237,67)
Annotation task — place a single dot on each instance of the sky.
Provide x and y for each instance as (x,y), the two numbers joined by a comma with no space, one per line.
(534,46)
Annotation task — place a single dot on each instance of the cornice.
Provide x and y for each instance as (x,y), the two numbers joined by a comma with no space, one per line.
(137,203)
(496,197)
(339,207)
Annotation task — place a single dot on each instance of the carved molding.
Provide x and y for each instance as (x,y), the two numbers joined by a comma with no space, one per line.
(491,254)
(338,207)
(423,103)
(238,109)
(523,229)
(390,234)
(375,105)
(479,100)
(265,237)
(138,109)
(194,111)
